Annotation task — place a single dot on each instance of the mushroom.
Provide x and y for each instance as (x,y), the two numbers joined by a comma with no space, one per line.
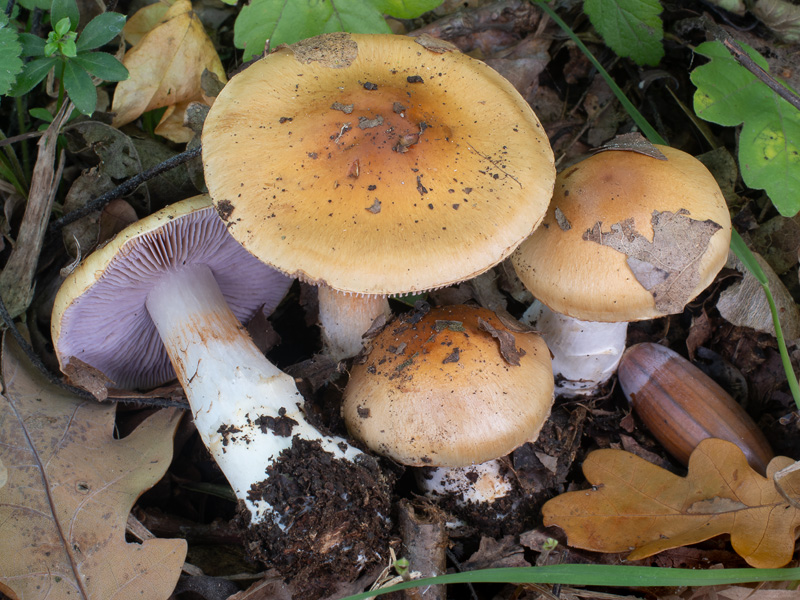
(454,388)
(375,165)
(629,235)
(173,288)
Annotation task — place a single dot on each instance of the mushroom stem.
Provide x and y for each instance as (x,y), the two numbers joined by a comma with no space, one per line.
(344,318)
(246,410)
(481,484)
(585,353)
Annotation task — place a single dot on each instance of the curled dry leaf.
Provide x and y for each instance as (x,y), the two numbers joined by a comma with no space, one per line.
(155,82)
(634,506)
(68,490)
(668,266)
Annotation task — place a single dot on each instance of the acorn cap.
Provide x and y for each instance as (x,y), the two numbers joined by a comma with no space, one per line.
(99,316)
(453,388)
(376,164)
(627,237)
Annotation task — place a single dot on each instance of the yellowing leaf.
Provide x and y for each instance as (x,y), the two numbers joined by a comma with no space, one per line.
(166,65)
(144,20)
(637,507)
(68,490)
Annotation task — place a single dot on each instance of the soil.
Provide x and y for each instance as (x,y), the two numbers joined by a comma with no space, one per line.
(335,515)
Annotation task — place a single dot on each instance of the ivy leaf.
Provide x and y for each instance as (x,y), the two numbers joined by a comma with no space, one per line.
(80,88)
(631,28)
(288,21)
(102,65)
(100,30)
(769,143)
(10,52)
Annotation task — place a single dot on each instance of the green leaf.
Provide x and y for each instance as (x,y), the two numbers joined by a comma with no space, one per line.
(289,21)
(100,30)
(67,47)
(32,73)
(34,4)
(726,91)
(65,9)
(42,114)
(405,9)
(62,27)
(102,65)
(631,28)
(769,143)
(79,87)
(10,52)
(32,45)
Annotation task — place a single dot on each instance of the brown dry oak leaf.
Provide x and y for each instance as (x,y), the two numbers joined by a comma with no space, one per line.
(634,506)
(667,266)
(66,489)
(155,82)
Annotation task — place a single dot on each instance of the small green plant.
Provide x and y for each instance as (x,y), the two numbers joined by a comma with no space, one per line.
(631,28)
(74,57)
(769,143)
(269,23)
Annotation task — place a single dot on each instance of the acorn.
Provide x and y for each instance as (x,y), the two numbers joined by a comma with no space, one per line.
(682,406)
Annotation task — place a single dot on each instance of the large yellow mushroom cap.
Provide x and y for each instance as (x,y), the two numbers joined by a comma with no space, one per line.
(453,388)
(627,237)
(376,164)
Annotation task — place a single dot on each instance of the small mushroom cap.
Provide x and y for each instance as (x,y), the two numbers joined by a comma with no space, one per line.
(442,391)
(375,164)
(99,316)
(627,237)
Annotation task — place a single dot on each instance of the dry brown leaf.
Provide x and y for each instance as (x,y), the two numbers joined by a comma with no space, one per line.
(635,506)
(144,20)
(667,266)
(155,82)
(68,490)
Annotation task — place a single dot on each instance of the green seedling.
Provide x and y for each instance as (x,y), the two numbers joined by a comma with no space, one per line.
(74,57)
(269,23)
(10,55)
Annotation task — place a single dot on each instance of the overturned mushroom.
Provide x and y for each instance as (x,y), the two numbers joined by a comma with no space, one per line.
(375,165)
(172,288)
(628,236)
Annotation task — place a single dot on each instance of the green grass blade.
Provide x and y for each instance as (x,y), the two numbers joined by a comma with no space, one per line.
(600,575)
(645,127)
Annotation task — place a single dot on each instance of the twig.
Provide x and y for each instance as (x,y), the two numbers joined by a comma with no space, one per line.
(20,137)
(124,189)
(743,58)
(16,280)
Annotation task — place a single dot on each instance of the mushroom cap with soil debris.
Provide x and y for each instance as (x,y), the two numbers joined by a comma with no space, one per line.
(452,388)
(627,237)
(376,164)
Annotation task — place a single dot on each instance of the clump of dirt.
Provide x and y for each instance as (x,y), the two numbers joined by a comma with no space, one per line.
(335,514)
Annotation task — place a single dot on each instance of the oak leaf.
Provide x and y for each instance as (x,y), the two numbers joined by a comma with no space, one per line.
(166,67)
(634,506)
(66,489)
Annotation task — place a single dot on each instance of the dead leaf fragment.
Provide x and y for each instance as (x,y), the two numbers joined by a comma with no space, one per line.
(70,488)
(155,82)
(667,266)
(508,345)
(636,506)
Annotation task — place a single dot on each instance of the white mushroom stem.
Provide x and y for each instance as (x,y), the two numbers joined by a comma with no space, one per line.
(481,484)
(344,318)
(585,353)
(229,383)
